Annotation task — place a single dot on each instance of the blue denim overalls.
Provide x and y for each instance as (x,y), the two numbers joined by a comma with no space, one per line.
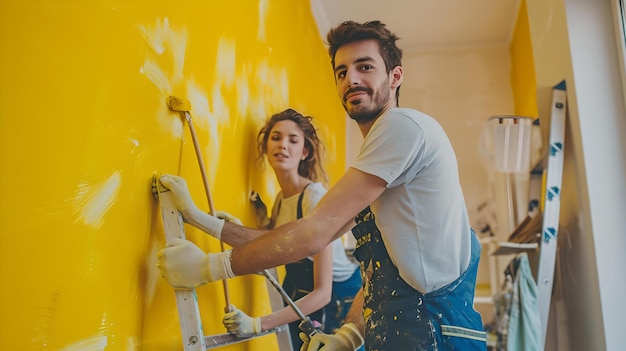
(398,317)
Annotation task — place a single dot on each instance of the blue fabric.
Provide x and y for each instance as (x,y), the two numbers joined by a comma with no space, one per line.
(398,317)
(524,332)
(340,302)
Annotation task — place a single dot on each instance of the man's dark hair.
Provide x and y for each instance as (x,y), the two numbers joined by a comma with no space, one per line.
(350,31)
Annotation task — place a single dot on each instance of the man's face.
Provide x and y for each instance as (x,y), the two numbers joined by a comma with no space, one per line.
(363,84)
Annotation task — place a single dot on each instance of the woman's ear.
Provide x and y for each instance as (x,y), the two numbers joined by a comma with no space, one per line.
(305,153)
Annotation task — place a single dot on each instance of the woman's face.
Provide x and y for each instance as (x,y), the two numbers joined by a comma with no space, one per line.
(285,146)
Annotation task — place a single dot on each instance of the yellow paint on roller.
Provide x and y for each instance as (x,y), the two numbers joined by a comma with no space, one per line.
(93,343)
(92,202)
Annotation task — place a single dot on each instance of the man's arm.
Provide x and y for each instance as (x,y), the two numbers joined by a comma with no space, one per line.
(306,236)
(237,234)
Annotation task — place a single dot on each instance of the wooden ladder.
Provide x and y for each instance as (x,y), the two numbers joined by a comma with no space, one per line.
(193,337)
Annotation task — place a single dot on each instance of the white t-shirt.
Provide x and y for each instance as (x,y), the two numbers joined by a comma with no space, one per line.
(421,215)
(286,210)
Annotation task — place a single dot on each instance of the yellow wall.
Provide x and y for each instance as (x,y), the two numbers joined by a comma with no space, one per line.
(522,67)
(83,127)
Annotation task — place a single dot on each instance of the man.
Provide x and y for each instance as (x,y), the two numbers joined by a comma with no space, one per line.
(418,254)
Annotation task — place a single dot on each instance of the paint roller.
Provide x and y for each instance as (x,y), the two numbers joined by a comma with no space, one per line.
(181,105)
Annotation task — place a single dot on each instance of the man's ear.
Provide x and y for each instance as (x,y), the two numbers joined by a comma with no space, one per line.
(397,75)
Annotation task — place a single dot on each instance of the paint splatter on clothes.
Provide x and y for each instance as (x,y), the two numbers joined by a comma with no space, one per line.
(398,317)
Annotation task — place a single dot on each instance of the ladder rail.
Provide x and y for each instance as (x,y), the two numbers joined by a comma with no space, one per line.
(552,204)
(186,300)
(193,337)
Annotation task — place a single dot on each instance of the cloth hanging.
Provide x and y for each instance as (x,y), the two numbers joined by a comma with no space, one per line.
(518,325)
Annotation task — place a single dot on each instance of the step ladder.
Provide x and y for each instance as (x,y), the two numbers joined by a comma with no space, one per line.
(552,205)
(193,337)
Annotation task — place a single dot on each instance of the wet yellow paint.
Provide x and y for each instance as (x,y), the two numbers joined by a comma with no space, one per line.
(84,126)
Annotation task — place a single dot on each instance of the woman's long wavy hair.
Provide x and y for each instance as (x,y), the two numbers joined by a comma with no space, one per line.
(311,167)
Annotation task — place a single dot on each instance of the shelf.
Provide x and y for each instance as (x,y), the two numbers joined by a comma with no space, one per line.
(510,248)
(523,239)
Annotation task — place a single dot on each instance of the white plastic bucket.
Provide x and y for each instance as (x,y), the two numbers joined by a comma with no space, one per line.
(507,143)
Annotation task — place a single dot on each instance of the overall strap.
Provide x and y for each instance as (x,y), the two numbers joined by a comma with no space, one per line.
(299,214)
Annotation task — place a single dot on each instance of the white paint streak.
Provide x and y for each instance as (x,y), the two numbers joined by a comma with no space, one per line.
(225,65)
(164,39)
(153,273)
(282,82)
(263,7)
(134,142)
(94,343)
(92,202)
(156,36)
(178,43)
(170,122)
(155,74)
(205,120)
(243,95)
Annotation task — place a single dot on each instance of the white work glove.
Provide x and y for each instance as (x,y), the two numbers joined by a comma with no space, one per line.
(228,217)
(241,324)
(191,214)
(182,198)
(347,338)
(185,266)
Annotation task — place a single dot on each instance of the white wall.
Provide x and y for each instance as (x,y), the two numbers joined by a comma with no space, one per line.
(575,40)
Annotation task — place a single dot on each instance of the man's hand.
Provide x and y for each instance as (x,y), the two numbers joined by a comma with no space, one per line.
(228,217)
(182,197)
(185,266)
(347,338)
(211,225)
(241,324)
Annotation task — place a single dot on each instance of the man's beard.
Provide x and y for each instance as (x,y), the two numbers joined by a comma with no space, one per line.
(361,113)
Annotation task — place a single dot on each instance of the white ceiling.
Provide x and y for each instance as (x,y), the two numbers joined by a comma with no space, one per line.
(427,24)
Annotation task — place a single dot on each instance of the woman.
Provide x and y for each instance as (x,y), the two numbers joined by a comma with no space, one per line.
(293,150)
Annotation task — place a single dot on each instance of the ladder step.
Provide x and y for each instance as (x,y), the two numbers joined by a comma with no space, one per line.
(219,340)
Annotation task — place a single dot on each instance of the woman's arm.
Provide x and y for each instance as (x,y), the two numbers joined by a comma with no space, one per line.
(313,301)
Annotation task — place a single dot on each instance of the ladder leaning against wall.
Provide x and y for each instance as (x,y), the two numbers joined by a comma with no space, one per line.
(193,337)
(524,239)
(552,205)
